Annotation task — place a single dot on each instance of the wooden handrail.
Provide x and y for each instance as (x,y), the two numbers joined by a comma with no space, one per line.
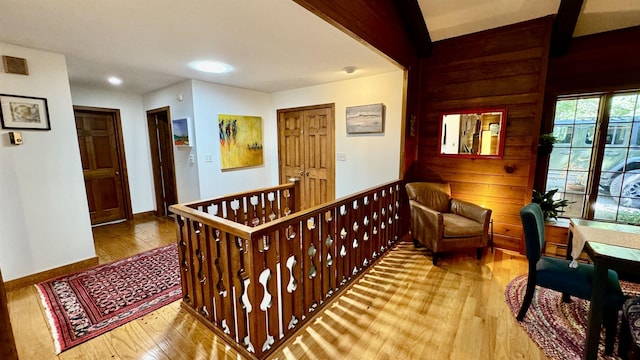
(256,285)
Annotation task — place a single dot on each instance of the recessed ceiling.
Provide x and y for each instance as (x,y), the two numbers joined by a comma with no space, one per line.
(272,45)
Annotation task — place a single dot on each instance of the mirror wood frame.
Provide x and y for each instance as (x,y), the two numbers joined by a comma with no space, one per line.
(487,117)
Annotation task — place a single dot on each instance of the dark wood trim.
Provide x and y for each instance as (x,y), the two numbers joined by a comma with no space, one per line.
(122,158)
(154,158)
(376,24)
(564,25)
(416,28)
(51,273)
(8,349)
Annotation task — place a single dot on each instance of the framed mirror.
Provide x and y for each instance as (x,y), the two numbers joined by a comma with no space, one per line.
(473,133)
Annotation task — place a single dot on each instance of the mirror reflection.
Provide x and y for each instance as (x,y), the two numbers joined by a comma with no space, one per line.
(473,133)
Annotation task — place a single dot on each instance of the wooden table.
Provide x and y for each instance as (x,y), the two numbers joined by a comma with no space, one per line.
(610,246)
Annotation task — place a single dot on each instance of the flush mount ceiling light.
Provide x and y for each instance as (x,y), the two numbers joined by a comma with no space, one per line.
(114,80)
(211,67)
(350,69)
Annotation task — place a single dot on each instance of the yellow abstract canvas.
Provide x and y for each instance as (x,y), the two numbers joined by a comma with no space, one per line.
(240,141)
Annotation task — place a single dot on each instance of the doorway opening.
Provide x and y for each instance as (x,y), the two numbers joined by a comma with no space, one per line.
(161,145)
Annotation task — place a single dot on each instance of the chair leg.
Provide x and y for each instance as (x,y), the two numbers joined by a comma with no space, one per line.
(435,259)
(566,298)
(479,253)
(610,322)
(416,243)
(526,302)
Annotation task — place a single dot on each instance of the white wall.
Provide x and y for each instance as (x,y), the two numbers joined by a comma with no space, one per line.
(370,159)
(44,216)
(136,139)
(179,98)
(213,99)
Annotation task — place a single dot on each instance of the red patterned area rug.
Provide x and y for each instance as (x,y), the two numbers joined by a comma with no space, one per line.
(87,304)
(558,328)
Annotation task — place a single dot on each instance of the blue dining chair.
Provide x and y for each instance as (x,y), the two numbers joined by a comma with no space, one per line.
(555,274)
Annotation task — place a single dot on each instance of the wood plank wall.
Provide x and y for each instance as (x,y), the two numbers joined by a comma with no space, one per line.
(503,67)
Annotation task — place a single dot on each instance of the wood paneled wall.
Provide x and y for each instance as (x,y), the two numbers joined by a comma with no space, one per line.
(503,67)
(605,61)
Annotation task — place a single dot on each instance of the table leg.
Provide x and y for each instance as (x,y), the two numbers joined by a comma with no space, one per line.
(595,311)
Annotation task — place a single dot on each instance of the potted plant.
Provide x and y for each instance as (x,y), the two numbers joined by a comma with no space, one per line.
(550,207)
(545,143)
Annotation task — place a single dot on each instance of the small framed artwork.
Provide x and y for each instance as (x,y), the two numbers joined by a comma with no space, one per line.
(365,119)
(181,132)
(24,112)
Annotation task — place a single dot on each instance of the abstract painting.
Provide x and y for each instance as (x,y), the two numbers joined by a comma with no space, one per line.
(240,141)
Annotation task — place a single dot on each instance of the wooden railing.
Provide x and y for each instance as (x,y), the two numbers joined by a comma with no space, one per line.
(254,271)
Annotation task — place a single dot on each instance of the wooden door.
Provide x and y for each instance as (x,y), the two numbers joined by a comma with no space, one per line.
(306,151)
(161,145)
(103,164)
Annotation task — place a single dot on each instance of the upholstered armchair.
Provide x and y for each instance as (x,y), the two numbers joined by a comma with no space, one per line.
(444,224)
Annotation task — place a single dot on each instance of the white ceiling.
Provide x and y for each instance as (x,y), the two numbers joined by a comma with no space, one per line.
(273,45)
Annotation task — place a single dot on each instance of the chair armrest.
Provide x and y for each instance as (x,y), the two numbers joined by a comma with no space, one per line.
(471,211)
(427,224)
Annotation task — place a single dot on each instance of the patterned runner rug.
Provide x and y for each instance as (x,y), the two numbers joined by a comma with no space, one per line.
(87,304)
(558,328)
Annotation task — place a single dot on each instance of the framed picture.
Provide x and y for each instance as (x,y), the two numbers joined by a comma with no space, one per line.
(365,119)
(181,132)
(24,112)
(240,141)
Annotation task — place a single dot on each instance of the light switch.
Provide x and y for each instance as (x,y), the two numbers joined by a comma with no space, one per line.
(341,156)
(192,158)
(15,137)
(208,158)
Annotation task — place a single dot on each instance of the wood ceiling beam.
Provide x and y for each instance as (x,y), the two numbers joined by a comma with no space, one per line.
(564,25)
(375,23)
(415,26)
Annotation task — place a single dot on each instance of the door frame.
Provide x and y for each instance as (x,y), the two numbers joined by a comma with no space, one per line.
(155,164)
(122,160)
(332,170)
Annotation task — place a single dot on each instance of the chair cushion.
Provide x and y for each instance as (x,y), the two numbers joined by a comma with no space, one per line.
(556,274)
(432,195)
(631,310)
(456,226)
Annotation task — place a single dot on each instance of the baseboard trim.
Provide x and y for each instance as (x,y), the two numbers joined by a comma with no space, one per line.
(32,279)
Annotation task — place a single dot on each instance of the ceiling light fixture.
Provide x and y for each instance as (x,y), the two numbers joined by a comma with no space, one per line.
(114,80)
(211,67)
(350,69)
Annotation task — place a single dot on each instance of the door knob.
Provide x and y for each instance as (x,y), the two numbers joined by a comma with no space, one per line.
(307,173)
(301,173)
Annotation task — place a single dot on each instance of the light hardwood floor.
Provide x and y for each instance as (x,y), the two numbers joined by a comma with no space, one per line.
(403,308)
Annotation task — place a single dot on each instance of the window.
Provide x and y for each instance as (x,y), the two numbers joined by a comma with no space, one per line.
(598,135)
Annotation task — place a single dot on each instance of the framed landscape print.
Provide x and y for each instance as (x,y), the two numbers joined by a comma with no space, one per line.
(365,119)
(24,112)
(181,132)
(240,141)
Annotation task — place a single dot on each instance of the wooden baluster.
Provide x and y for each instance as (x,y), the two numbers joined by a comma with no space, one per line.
(206,275)
(310,252)
(188,271)
(375,221)
(367,249)
(271,263)
(255,326)
(342,260)
(217,275)
(226,250)
(329,253)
